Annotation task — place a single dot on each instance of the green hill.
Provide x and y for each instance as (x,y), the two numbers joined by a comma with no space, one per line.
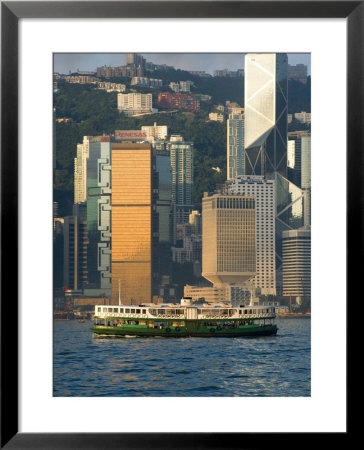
(94,112)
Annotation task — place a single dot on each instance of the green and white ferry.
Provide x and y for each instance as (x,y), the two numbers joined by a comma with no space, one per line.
(184,320)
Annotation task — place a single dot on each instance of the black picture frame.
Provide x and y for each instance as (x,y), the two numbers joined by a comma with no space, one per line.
(11,12)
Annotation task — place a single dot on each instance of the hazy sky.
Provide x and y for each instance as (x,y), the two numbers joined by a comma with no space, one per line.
(65,62)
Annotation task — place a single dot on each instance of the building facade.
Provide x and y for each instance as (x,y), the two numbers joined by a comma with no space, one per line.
(237,295)
(155,131)
(296,264)
(80,171)
(135,103)
(299,167)
(303,117)
(177,100)
(75,253)
(164,212)
(99,214)
(298,73)
(181,154)
(216,117)
(263,191)
(235,145)
(266,94)
(132,223)
(228,238)
(146,82)
(266,89)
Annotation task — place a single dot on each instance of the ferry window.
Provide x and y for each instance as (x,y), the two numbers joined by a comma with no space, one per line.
(144,311)
(109,309)
(179,311)
(98,309)
(121,310)
(161,311)
(104,309)
(133,311)
(245,311)
(138,311)
(127,311)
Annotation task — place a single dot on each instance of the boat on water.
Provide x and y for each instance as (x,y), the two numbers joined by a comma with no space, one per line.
(184,320)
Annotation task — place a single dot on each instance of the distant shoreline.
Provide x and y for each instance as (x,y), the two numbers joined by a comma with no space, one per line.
(294,315)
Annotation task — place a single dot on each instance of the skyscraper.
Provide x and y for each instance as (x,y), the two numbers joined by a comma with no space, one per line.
(235,144)
(80,171)
(75,253)
(99,214)
(266,114)
(266,95)
(228,238)
(296,263)
(181,153)
(263,191)
(299,167)
(132,222)
(299,143)
(164,211)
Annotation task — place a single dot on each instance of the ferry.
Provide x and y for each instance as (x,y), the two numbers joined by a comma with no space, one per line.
(184,320)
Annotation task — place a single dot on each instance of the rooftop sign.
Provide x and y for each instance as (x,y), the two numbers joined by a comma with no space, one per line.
(130,134)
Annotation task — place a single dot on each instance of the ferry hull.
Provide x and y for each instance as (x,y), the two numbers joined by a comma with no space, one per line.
(246,331)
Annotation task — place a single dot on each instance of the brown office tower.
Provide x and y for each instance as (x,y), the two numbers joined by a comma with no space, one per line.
(131,214)
(228,239)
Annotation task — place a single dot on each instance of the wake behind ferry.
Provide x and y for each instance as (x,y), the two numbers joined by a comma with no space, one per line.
(184,320)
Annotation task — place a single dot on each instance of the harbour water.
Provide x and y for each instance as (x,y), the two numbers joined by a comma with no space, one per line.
(274,366)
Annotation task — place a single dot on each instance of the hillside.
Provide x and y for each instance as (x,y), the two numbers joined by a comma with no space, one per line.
(94,112)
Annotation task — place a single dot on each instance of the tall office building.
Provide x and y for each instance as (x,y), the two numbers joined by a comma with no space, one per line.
(263,191)
(266,95)
(80,171)
(235,145)
(132,223)
(75,253)
(164,210)
(228,238)
(181,154)
(99,214)
(299,161)
(296,263)
(92,190)
(299,167)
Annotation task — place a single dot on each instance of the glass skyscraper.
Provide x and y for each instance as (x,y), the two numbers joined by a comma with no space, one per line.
(99,214)
(163,182)
(182,177)
(266,101)
(266,97)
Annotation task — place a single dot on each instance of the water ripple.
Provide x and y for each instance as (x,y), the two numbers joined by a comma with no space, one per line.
(254,367)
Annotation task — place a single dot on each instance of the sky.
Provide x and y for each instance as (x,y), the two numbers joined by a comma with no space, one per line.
(65,62)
